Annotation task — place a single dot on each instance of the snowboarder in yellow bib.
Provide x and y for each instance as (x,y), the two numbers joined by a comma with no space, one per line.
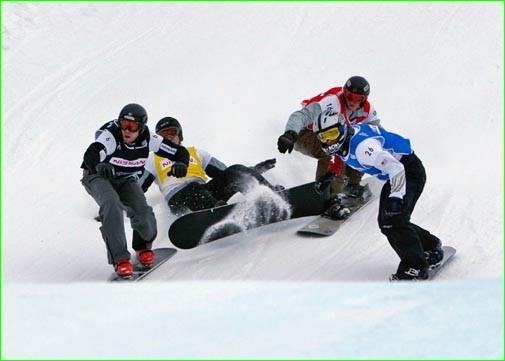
(195,191)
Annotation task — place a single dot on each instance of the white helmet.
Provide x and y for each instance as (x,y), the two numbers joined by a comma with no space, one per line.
(331,125)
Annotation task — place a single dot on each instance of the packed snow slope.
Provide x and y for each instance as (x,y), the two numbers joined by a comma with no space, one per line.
(232,73)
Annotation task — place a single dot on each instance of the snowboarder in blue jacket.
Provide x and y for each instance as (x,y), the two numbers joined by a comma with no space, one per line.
(373,150)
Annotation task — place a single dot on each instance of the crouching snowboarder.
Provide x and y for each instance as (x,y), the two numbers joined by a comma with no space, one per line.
(388,156)
(111,168)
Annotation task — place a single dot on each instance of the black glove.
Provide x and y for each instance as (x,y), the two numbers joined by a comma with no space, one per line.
(262,167)
(105,170)
(179,170)
(324,181)
(286,142)
(394,206)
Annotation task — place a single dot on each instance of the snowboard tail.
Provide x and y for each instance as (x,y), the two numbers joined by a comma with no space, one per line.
(433,271)
(161,255)
(449,253)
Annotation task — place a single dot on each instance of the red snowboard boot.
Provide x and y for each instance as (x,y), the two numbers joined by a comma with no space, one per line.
(146,257)
(124,268)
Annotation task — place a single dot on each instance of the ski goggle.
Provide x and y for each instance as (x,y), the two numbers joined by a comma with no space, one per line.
(330,134)
(353,97)
(169,132)
(129,125)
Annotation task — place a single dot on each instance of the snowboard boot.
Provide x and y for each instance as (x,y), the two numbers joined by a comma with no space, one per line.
(354,190)
(411,274)
(434,256)
(337,210)
(146,257)
(124,268)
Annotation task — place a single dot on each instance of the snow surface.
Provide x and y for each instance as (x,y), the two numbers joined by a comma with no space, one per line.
(232,73)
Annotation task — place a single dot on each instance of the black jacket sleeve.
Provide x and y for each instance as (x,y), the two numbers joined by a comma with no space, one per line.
(167,148)
(213,171)
(147,182)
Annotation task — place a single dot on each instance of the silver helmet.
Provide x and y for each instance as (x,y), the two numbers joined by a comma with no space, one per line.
(331,126)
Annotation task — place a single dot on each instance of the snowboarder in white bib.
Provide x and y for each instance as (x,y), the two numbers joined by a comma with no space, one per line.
(387,156)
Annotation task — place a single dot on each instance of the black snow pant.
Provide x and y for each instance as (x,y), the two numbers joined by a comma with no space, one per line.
(407,239)
(196,196)
(113,197)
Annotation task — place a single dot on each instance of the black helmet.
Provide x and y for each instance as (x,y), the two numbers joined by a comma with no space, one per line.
(357,85)
(169,122)
(134,113)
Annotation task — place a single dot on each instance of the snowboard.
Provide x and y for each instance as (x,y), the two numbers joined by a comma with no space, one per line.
(161,255)
(449,252)
(189,230)
(325,226)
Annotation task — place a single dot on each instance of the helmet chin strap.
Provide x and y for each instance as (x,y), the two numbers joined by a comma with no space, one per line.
(344,149)
(341,150)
